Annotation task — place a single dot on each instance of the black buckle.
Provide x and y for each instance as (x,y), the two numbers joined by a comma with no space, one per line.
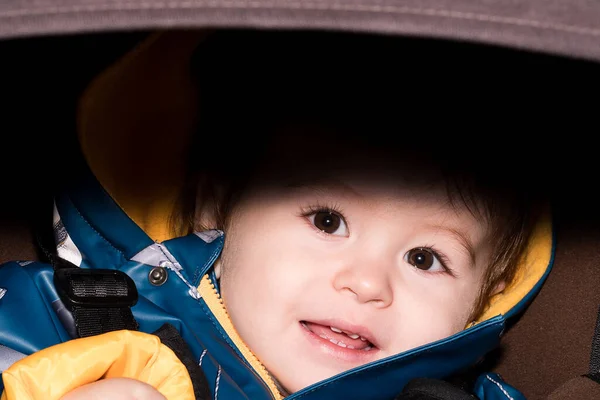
(82,287)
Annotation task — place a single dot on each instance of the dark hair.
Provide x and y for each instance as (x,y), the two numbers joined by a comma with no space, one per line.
(383,92)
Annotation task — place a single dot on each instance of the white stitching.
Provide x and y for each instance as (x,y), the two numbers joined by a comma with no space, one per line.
(500,386)
(307,6)
(217,383)
(193,292)
(201,357)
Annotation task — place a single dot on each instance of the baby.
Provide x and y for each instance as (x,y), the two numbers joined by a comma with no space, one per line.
(340,251)
(351,236)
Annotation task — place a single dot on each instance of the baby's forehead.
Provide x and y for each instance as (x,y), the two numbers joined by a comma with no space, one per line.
(311,141)
(425,207)
(320,157)
(380,186)
(303,153)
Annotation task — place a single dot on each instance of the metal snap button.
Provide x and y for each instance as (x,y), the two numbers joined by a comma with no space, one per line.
(158,276)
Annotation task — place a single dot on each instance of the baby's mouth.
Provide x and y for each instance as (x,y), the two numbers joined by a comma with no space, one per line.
(345,339)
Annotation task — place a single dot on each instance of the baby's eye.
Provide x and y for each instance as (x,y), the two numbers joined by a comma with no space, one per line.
(329,222)
(424,259)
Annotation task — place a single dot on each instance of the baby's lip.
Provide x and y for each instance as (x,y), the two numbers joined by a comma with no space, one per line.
(347,327)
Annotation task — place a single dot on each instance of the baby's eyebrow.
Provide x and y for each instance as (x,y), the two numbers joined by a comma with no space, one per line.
(461,237)
(322,184)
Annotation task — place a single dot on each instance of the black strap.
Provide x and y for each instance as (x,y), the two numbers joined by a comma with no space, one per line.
(433,389)
(594,371)
(99,299)
(171,338)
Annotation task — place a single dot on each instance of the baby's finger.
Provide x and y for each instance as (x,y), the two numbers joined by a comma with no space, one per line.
(115,389)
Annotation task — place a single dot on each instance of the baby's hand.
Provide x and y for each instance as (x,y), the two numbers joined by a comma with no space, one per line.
(115,389)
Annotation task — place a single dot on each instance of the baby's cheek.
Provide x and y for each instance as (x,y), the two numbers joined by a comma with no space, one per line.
(424,317)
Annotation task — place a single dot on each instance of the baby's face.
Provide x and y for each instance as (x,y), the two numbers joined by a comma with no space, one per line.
(330,268)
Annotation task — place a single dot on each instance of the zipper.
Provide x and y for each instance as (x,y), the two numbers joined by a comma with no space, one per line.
(213,300)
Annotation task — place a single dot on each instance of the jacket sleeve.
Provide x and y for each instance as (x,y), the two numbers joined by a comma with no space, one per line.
(491,386)
(51,373)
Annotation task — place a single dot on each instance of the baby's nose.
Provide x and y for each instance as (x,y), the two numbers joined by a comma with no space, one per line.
(366,285)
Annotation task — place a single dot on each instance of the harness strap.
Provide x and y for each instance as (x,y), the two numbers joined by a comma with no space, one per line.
(433,389)
(594,370)
(170,337)
(99,299)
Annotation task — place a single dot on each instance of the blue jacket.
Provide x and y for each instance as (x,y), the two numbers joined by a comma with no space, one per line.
(92,231)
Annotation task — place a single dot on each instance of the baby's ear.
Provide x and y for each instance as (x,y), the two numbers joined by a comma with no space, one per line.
(500,286)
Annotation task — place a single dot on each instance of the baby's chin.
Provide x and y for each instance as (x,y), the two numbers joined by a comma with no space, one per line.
(295,382)
(293,386)
(287,385)
(282,389)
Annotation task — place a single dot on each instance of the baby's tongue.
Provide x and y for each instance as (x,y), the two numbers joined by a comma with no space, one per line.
(341,339)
